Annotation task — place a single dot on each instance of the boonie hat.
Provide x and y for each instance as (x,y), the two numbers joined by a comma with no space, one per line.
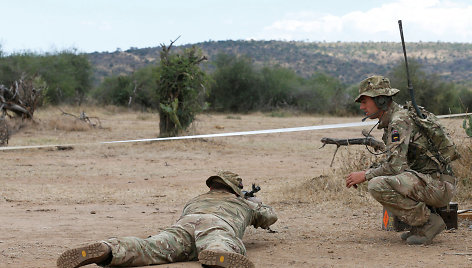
(228,178)
(376,86)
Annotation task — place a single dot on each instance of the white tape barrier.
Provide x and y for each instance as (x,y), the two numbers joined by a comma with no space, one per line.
(453,115)
(242,133)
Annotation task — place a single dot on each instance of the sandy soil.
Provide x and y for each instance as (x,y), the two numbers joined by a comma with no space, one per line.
(52,200)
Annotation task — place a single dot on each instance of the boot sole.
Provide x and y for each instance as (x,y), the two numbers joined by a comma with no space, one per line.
(77,257)
(224,259)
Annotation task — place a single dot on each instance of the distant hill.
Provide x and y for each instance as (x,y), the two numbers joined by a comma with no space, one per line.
(350,62)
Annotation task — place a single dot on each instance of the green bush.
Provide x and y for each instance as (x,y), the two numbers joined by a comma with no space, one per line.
(180,89)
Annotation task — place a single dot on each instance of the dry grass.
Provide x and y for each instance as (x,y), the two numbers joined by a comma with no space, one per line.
(463,170)
(68,124)
(331,185)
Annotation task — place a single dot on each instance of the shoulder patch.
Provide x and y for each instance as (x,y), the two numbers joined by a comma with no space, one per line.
(395,136)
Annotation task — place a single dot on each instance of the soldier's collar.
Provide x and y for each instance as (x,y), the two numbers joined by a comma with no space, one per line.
(385,119)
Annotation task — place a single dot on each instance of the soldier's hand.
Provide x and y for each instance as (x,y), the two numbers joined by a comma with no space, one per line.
(355,178)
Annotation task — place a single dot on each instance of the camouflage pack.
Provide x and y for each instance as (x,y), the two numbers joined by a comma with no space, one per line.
(441,145)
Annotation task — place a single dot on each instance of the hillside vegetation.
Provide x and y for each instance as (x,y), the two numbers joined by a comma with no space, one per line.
(247,76)
(348,62)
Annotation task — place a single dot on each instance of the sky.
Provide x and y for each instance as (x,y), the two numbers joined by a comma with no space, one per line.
(108,25)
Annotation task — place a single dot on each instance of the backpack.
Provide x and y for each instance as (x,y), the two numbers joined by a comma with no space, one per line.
(440,143)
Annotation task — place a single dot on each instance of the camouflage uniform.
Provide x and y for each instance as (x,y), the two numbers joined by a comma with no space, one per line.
(409,179)
(215,220)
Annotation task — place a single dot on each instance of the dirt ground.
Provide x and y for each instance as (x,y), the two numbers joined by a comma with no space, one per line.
(52,200)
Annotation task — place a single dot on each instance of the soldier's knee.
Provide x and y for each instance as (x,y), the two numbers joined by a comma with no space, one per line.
(376,187)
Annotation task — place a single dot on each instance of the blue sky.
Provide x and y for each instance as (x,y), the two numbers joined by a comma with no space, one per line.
(106,25)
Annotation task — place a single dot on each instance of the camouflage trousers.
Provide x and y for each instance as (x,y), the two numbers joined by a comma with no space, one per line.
(181,242)
(408,194)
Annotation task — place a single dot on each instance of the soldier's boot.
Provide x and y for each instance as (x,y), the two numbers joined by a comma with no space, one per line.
(405,235)
(215,258)
(425,233)
(99,253)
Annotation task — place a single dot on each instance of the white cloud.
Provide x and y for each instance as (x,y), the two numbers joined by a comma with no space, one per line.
(102,25)
(423,20)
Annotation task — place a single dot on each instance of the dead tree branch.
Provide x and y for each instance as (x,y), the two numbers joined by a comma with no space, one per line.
(21,99)
(368,141)
(92,121)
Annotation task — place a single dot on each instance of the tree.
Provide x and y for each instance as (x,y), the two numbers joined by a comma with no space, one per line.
(240,87)
(67,74)
(321,93)
(114,90)
(134,90)
(235,84)
(430,91)
(180,89)
(277,87)
(332,93)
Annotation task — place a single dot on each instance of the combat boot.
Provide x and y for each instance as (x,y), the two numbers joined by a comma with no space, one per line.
(425,233)
(98,253)
(405,235)
(215,258)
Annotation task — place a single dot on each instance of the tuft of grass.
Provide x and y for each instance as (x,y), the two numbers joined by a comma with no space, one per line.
(278,114)
(331,186)
(237,117)
(146,116)
(281,113)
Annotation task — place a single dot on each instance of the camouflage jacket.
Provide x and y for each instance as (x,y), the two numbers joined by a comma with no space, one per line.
(236,211)
(405,146)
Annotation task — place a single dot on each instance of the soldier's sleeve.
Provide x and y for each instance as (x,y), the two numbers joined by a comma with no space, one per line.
(264,216)
(398,138)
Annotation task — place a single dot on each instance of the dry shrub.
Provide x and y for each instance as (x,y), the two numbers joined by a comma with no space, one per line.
(331,185)
(68,124)
(66,117)
(463,171)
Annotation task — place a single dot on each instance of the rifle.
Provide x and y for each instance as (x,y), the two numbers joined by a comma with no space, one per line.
(255,189)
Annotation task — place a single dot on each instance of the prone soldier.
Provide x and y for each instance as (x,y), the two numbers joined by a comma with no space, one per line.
(209,230)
